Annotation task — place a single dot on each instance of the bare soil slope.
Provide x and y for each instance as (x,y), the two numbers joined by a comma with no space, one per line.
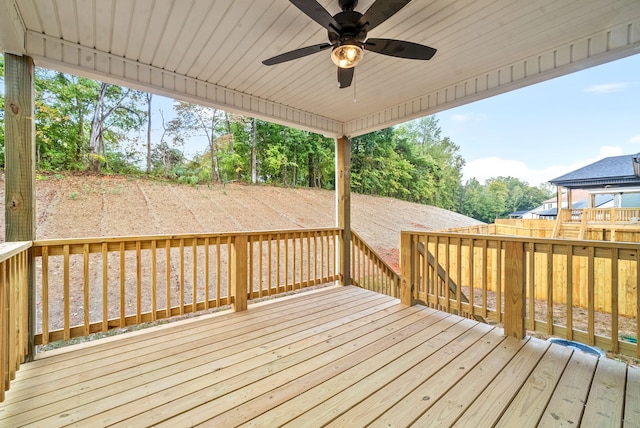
(97,206)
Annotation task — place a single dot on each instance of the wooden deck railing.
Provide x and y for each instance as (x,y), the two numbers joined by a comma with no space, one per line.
(13,310)
(589,288)
(370,271)
(612,215)
(93,285)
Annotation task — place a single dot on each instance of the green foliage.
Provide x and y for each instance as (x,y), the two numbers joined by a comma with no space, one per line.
(499,197)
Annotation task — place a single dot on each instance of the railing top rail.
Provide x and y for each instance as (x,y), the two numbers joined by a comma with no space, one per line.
(526,239)
(10,249)
(100,240)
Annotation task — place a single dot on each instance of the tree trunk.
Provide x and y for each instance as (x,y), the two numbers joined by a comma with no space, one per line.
(83,156)
(96,131)
(214,172)
(285,162)
(149,98)
(254,162)
(311,168)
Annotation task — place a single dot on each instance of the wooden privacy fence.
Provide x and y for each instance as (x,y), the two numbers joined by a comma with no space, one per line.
(13,309)
(580,290)
(86,286)
(369,271)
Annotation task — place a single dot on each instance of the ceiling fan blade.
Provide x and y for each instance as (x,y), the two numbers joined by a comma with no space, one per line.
(315,11)
(380,11)
(297,53)
(400,48)
(345,76)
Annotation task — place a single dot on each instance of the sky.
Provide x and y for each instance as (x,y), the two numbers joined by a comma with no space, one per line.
(545,130)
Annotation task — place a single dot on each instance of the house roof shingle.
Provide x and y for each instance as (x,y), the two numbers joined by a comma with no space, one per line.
(615,170)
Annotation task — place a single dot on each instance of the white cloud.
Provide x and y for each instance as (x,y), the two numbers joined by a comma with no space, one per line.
(607,151)
(635,139)
(461,118)
(607,88)
(485,168)
(468,117)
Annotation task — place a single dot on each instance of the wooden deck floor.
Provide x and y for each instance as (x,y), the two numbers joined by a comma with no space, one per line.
(339,356)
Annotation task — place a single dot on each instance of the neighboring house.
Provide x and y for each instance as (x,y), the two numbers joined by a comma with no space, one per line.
(551,205)
(618,176)
(601,201)
(609,182)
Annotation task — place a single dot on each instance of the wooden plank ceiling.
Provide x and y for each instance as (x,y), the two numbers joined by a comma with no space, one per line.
(210,52)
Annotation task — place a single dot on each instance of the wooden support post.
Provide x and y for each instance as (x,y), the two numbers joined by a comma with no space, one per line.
(20,176)
(343,206)
(238,266)
(514,289)
(407,268)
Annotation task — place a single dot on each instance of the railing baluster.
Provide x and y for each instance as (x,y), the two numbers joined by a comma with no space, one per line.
(67,293)
(260,256)
(181,270)
(45,295)
(308,276)
(472,309)
(138,283)
(122,287)
(569,286)
(167,246)
(269,264)
(278,260)
(591,293)
(218,272)
(105,287)
(614,301)
(207,277)
(550,291)
(250,285)
(485,283)
(499,281)
(85,277)
(459,275)
(286,262)
(194,276)
(154,281)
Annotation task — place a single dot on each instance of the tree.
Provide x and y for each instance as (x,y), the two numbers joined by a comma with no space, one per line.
(199,121)
(435,156)
(499,197)
(69,108)
(149,100)
(115,107)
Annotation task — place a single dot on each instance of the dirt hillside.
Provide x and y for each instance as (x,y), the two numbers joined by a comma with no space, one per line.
(96,206)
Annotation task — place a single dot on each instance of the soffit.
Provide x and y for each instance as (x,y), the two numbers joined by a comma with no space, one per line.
(210,52)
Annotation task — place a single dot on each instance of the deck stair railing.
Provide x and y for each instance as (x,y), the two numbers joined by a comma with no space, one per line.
(13,310)
(370,271)
(584,291)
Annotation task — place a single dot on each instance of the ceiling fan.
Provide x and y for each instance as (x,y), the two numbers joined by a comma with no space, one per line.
(347,32)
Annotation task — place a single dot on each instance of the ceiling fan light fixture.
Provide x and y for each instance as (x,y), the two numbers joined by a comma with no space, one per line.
(347,55)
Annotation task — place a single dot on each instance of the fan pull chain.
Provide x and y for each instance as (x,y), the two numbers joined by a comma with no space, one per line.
(354,86)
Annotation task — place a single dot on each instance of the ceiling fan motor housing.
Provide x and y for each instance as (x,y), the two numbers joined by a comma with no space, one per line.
(350,30)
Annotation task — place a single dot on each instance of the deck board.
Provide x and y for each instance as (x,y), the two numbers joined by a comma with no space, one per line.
(568,400)
(339,356)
